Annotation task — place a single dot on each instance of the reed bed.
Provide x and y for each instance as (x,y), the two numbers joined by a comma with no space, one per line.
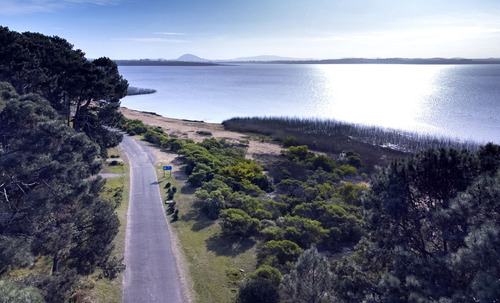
(375,144)
(139,91)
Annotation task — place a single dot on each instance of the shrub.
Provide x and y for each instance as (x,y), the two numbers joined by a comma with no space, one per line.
(155,135)
(237,222)
(280,253)
(347,170)
(290,141)
(134,127)
(261,286)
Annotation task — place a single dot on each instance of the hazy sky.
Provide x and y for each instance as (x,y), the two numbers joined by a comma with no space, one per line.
(225,29)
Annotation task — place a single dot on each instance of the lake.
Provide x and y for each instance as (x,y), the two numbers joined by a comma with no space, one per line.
(459,101)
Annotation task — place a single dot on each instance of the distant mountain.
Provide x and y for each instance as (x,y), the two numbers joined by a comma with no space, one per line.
(162,62)
(191,58)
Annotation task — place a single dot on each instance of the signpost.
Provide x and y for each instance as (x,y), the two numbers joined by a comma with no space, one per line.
(167,168)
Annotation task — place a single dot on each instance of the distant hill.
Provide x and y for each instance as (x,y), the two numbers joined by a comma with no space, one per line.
(191,58)
(454,61)
(150,62)
(263,58)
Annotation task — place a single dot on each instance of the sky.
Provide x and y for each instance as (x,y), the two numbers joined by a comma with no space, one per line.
(227,29)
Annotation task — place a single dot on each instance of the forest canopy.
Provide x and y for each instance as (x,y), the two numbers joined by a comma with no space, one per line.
(55,106)
(86,94)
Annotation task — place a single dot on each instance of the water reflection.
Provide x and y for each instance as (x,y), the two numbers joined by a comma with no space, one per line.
(384,95)
(458,101)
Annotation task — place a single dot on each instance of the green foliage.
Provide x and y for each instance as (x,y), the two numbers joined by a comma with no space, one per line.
(174,144)
(261,286)
(290,141)
(292,187)
(309,281)
(241,171)
(351,193)
(237,222)
(211,143)
(13,293)
(133,126)
(489,158)
(347,170)
(433,229)
(50,203)
(322,161)
(213,202)
(298,153)
(280,253)
(353,158)
(342,221)
(85,93)
(273,233)
(155,135)
(304,231)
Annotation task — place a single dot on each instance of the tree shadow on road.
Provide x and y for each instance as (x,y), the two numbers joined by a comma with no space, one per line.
(229,245)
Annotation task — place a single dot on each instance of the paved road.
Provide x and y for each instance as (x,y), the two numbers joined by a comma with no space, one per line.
(151,274)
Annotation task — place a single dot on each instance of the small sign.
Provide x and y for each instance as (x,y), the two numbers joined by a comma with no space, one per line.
(167,167)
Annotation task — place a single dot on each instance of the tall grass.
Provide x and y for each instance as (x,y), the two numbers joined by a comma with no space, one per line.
(396,139)
(139,91)
(375,144)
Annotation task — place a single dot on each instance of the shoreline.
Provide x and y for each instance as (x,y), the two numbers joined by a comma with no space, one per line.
(197,130)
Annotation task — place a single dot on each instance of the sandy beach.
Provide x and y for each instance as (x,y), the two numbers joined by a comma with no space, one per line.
(198,130)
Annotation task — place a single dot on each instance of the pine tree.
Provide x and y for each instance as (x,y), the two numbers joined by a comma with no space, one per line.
(309,281)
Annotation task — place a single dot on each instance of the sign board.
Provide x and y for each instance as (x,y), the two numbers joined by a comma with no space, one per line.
(167,167)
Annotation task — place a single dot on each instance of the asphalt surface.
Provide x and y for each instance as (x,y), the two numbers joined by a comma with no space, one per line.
(151,274)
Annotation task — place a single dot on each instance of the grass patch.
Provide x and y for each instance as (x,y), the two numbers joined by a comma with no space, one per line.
(105,290)
(214,262)
(115,163)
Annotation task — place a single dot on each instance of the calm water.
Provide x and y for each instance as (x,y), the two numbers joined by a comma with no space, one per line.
(460,101)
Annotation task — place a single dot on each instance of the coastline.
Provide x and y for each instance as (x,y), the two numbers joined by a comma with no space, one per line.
(199,130)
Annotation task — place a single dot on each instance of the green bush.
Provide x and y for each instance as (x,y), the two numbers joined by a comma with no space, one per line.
(347,170)
(155,135)
(280,253)
(290,141)
(237,222)
(133,126)
(261,286)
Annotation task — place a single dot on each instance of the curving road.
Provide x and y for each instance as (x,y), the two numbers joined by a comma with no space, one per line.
(151,274)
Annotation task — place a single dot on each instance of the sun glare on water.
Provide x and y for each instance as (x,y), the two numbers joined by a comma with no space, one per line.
(383,95)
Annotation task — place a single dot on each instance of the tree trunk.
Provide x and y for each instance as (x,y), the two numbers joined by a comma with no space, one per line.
(55,261)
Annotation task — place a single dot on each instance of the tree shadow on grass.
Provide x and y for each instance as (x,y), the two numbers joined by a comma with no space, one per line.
(228,245)
(197,215)
(188,189)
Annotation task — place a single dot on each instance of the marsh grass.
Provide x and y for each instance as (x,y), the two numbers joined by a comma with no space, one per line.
(376,145)
(131,91)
